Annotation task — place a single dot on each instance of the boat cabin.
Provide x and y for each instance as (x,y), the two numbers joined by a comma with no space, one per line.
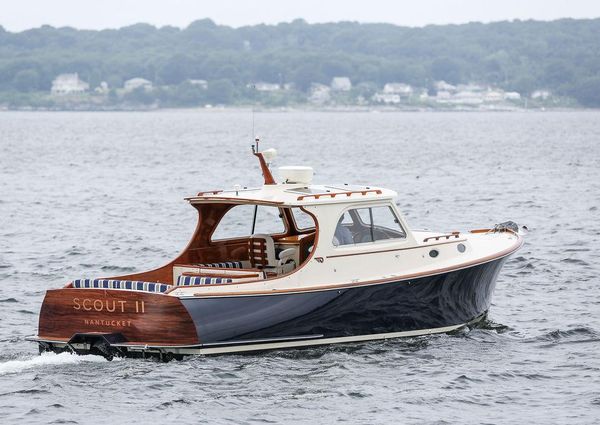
(267,233)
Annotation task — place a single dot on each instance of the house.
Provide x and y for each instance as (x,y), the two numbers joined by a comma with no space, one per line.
(442,86)
(135,83)
(467,97)
(541,94)
(341,84)
(493,96)
(443,96)
(470,87)
(512,95)
(404,90)
(319,94)
(68,84)
(387,98)
(102,88)
(265,87)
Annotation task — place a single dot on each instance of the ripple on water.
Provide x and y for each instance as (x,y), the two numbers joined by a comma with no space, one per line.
(535,357)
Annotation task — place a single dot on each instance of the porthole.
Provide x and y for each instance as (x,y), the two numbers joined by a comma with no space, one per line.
(434,253)
(461,247)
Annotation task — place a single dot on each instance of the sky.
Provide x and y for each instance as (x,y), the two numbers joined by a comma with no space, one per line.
(18,15)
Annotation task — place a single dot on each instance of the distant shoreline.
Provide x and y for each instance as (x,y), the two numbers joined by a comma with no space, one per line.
(263,109)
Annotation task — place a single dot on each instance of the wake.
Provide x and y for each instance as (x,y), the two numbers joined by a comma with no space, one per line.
(47,359)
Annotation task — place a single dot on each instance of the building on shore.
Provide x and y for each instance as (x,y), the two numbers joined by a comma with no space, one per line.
(135,83)
(68,84)
(541,95)
(401,89)
(319,94)
(102,88)
(341,84)
(265,87)
(387,98)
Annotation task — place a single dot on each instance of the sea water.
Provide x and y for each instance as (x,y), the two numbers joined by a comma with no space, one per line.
(99,194)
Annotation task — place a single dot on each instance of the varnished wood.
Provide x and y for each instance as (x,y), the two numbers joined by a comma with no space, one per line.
(256,275)
(448,236)
(265,169)
(334,194)
(161,319)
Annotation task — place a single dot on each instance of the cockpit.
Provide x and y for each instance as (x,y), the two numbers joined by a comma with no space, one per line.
(236,243)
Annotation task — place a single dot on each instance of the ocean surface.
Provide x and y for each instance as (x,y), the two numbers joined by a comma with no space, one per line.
(96,194)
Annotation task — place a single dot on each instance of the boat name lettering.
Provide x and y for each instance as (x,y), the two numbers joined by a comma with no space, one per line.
(112,323)
(109,306)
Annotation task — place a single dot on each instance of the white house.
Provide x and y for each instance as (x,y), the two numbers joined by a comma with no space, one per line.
(102,88)
(401,89)
(387,98)
(493,96)
(134,83)
(541,94)
(341,84)
(442,86)
(68,84)
(267,87)
(319,94)
(512,95)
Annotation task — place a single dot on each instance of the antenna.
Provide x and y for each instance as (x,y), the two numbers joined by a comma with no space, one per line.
(253,134)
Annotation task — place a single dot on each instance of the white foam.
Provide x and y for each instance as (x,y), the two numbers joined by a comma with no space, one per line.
(47,359)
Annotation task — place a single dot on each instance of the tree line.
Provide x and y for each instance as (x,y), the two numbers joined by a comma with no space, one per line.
(562,56)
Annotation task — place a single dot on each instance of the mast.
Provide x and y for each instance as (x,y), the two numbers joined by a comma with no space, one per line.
(263,163)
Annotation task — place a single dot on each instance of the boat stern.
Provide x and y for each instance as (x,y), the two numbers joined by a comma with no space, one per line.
(74,317)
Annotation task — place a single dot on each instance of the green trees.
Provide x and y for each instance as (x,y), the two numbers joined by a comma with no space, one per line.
(26,80)
(562,56)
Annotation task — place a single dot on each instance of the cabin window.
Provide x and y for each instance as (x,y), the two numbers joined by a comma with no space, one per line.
(303,220)
(371,224)
(237,222)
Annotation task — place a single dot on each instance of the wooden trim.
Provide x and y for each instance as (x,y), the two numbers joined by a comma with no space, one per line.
(334,194)
(211,192)
(480,231)
(236,276)
(447,236)
(265,169)
(236,200)
(482,260)
(138,316)
(393,249)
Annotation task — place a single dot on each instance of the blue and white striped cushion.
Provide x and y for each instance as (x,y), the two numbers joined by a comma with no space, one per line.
(225,265)
(132,285)
(201,280)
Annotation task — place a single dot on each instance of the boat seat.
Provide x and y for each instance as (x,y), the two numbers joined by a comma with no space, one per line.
(225,265)
(131,285)
(263,256)
(184,280)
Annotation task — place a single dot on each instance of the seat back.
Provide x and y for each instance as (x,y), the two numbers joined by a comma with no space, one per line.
(261,251)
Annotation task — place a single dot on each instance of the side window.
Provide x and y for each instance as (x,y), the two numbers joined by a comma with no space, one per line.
(237,222)
(360,225)
(269,220)
(303,221)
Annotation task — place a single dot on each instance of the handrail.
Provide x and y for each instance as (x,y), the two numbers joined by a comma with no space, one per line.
(211,192)
(447,236)
(333,195)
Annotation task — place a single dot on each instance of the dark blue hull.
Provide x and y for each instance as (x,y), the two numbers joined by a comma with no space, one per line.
(443,300)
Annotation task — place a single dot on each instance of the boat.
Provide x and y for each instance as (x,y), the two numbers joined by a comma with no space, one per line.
(284,265)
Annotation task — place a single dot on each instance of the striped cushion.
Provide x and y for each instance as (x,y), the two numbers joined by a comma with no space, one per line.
(132,285)
(225,265)
(201,280)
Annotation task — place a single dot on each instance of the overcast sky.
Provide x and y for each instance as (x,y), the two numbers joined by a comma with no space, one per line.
(17,15)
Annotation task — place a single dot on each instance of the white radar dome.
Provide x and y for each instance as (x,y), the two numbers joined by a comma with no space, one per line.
(296,174)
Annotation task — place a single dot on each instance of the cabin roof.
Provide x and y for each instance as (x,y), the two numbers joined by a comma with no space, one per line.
(295,194)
